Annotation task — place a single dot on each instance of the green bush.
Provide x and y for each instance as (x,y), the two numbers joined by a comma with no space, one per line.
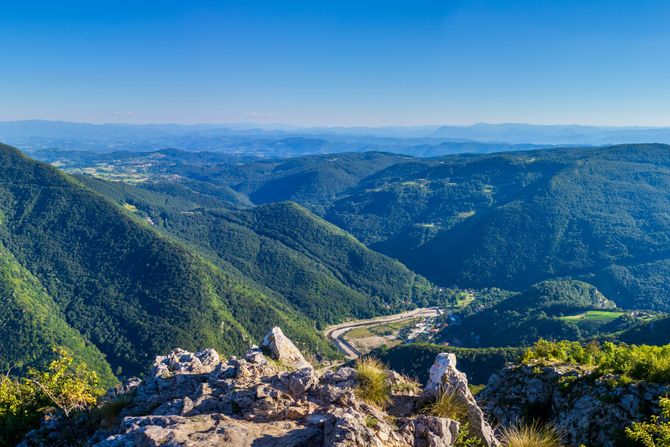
(655,432)
(637,362)
(66,388)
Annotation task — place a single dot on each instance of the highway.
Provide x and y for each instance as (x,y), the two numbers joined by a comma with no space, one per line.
(336,332)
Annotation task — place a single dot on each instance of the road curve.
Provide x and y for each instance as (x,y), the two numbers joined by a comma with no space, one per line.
(336,332)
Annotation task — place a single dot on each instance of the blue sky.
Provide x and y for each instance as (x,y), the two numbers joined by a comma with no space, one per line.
(343,62)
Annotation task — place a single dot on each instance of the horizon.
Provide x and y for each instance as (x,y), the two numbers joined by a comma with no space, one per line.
(376,64)
(279,126)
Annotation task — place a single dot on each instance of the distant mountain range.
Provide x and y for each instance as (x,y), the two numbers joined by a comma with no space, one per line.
(284,141)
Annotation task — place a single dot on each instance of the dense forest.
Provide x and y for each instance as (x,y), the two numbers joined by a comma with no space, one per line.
(138,246)
(320,269)
(84,272)
(505,220)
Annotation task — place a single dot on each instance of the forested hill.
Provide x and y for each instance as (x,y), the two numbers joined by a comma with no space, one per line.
(324,272)
(84,272)
(508,220)
(511,219)
(123,287)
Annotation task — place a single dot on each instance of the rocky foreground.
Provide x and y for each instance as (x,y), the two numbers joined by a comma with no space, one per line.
(274,397)
(588,410)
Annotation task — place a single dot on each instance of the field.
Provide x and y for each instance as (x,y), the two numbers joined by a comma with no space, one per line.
(366,338)
(594,315)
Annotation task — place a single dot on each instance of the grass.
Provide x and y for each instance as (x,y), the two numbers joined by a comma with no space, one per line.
(407,386)
(373,385)
(371,422)
(447,404)
(594,315)
(359,332)
(464,299)
(532,435)
(129,207)
(475,389)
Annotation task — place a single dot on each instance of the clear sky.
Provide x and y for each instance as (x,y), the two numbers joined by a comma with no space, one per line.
(337,62)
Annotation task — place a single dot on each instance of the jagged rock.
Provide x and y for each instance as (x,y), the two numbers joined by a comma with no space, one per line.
(590,411)
(443,376)
(195,399)
(431,431)
(301,381)
(283,350)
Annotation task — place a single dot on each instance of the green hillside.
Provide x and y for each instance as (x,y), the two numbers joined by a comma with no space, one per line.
(322,271)
(505,220)
(32,324)
(511,220)
(554,309)
(130,291)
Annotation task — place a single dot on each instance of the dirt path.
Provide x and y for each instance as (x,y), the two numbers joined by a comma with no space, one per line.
(336,332)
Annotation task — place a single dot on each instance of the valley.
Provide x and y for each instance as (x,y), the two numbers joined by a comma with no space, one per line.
(340,334)
(122,256)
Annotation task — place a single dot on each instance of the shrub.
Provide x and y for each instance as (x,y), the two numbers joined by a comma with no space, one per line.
(65,388)
(19,410)
(68,386)
(447,404)
(373,385)
(638,362)
(656,431)
(465,439)
(532,435)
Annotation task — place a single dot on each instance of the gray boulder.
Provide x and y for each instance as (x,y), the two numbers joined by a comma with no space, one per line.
(279,347)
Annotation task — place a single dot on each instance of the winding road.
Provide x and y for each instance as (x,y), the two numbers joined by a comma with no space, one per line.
(336,332)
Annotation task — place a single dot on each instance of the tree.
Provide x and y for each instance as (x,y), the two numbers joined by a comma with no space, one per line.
(656,431)
(67,385)
(66,388)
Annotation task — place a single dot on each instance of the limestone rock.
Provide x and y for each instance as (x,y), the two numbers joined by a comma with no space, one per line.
(443,376)
(195,399)
(283,350)
(432,431)
(589,411)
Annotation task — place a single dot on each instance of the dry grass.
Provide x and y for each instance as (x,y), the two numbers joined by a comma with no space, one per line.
(447,404)
(532,435)
(373,385)
(407,386)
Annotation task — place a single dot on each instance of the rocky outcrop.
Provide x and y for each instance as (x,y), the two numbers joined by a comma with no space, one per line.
(196,399)
(444,377)
(280,348)
(589,409)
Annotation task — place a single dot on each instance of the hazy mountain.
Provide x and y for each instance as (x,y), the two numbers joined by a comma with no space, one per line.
(555,134)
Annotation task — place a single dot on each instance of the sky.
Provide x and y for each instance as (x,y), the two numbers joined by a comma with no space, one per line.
(337,63)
